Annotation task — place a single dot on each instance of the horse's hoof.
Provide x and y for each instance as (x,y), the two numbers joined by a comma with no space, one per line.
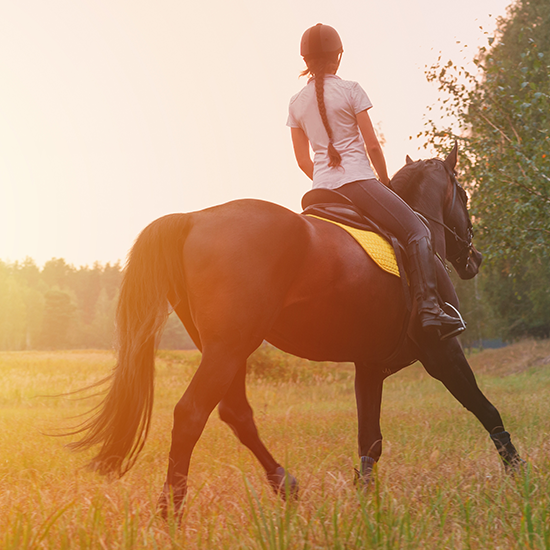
(514,466)
(363,477)
(363,482)
(509,455)
(162,505)
(284,484)
(171,498)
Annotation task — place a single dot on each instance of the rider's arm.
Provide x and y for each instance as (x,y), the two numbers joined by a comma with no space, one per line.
(374,149)
(301,151)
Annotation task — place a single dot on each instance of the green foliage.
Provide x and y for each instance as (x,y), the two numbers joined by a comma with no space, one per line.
(62,307)
(501,117)
(520,298)
(501,304)
(175,336)
(21,307)
(58,314)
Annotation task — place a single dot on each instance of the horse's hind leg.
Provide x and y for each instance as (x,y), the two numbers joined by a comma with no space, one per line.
(446,362)
(213,378)
(236,411)
(368,394)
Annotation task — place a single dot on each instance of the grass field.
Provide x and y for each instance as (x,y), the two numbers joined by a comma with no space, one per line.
(439,483)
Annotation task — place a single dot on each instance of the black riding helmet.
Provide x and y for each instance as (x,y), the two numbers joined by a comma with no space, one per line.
(319,40)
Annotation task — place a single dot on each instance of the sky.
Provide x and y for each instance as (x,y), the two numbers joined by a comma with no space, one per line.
(116,112)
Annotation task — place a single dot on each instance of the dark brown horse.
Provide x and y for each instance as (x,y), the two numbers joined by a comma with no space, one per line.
(249,271)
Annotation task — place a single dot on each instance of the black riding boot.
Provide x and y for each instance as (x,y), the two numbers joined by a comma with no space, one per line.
(424,285)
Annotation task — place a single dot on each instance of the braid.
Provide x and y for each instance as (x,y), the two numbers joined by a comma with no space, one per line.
(317,67)
(334,156)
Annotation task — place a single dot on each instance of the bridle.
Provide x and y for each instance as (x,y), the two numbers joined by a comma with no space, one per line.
(467,246)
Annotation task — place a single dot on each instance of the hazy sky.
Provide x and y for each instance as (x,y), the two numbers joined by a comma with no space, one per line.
(116,112)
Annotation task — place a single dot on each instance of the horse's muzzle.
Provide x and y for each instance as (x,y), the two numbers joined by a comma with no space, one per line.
(471,267)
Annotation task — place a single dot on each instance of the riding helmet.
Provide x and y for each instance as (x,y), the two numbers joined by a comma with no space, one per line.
(319,40)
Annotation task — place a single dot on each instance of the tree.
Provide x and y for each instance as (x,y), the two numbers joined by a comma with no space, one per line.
(12,312)
(501,117)
(58,314)
(103,326)
(86,284)
(175,336)
(56,272)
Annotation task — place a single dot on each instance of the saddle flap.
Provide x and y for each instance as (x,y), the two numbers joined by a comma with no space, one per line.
(332,205)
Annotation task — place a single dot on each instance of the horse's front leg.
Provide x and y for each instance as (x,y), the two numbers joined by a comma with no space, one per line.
(368,394)
(236,412)
(209,385)
(446,362)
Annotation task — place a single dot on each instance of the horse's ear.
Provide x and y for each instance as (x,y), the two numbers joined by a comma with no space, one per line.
(409,160)
(450,161)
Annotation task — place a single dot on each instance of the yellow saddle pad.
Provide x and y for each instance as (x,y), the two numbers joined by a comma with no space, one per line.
(380,250)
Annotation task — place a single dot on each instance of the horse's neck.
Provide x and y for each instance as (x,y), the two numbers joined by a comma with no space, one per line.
(429,203)
(438,233)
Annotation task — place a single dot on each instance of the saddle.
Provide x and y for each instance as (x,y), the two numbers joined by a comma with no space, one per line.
(332,206)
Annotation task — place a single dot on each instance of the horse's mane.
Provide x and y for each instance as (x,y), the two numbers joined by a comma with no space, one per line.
(408,174)
(406,181)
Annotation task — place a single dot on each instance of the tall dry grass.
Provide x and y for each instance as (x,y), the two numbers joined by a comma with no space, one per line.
(439,483)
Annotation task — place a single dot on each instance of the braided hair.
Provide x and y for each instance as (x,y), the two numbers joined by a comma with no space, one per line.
(318,66)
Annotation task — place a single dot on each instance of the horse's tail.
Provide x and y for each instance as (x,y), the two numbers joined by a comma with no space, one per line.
(120,423)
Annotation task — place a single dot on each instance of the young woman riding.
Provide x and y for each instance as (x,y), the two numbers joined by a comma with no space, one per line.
(331,115)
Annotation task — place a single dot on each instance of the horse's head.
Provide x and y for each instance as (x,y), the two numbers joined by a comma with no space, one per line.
(430,187)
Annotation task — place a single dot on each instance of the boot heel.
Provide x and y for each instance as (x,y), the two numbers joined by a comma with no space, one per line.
(455,311)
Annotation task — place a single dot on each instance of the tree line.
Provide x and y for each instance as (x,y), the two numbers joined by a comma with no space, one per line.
(59,306)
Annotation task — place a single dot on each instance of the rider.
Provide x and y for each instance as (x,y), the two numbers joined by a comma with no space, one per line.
(331,115)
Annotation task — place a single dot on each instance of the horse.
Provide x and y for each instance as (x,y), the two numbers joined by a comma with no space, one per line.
(250,271)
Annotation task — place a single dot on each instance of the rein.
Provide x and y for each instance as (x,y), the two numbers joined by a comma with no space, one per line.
(467,243)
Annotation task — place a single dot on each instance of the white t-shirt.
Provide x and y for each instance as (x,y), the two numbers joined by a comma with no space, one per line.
(344,99)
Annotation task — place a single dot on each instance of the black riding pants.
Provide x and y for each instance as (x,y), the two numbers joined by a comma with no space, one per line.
(386,209)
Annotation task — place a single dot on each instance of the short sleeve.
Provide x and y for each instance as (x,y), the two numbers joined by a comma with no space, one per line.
(359,99)
(291,121)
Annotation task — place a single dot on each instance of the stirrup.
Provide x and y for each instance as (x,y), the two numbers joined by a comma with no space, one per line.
(453,332)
